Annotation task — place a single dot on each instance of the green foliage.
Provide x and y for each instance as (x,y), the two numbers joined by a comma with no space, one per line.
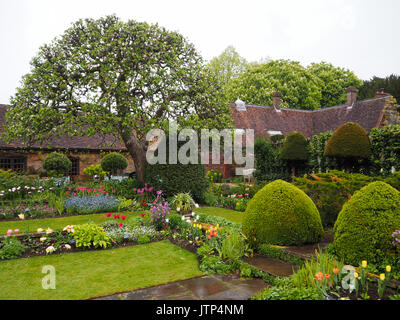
(183,202)
(57,164)
(350,143)
(210,199)
(278,253)
(394,180)
(269,166)
(90,235)
(227,66)
(143,239)
(113,162)
(317,161)
(364,226)
(106,76)
(294,147)
(175,221)
(385,144)
(177,178)
(300,88)
(335,82)
(295,150)
(11,248)
(214,176)
(214,220)
(391,84)
(282,214)
(329,191)
(94,170)
(233,246)
(285,290)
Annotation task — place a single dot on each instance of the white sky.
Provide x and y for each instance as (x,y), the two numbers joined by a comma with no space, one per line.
(361,35)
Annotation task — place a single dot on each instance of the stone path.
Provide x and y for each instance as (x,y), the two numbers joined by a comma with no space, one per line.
(210,287)
(275,267)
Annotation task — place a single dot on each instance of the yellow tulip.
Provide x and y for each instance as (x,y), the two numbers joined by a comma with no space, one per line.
(356,275)
(382,277)
(388,268)
(364,264)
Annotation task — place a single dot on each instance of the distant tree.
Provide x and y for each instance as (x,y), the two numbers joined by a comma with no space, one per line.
(295,150)
(335,82)
(117,78)
(300,88)
(390,84)
(227,66)
(350,145)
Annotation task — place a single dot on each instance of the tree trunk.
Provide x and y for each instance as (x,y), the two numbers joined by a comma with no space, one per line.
(137,150)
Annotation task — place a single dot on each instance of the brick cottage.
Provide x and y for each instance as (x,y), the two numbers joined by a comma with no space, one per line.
(265,120)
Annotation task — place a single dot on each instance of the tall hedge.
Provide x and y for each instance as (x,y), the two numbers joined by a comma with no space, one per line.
(295,150)
(349,143)
(282,214)
(364,226)
(177,178)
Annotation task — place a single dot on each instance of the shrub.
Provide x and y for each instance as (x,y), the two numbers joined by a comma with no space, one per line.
(90,235)
(282,214)
(394,180)
(94,170)
(57,164)
(210,199)
(183,202)
(364,226)
(294,150)
(11,248)
(178,178)
(329,191)
(113,162)
(349,144)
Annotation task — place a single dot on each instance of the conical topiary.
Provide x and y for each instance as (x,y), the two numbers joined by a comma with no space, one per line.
(364,227)
(282,214)
(349,143)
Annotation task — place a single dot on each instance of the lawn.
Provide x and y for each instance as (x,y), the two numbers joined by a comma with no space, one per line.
(232,215)
(89,274)
(57,223)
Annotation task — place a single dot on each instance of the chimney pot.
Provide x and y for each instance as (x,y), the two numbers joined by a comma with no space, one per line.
(277,100)
(351,96)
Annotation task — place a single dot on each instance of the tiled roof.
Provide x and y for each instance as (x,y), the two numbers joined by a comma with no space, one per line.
(367,113)
(95,142)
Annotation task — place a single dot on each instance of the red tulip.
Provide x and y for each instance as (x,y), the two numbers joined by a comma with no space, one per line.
(108,214)
(123,217)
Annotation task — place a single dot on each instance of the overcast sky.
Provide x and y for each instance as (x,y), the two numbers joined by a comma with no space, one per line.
(361,35)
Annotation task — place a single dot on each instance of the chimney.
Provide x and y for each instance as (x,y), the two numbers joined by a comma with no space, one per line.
(351,96)
(277,101)
(381,93)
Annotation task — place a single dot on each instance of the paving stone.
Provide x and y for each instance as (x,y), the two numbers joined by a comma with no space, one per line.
(306,251)
(204,286)
(272,266)
(232,294)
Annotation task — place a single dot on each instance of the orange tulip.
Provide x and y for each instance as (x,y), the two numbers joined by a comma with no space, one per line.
(335,270)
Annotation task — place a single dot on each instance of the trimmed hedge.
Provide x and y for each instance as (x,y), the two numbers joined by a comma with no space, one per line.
(295,147)
(114,161)
(176,178)
(364,226)
(349,141)
(282,214)
(329,191)
(57,164)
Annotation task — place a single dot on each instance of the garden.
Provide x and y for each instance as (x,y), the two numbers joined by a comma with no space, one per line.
(185,222)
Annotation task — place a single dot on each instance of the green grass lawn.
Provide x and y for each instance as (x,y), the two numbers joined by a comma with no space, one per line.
(232,215)
(57,223)
(82,275)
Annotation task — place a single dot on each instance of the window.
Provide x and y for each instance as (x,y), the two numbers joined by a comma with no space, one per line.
(75,166)
(13,163)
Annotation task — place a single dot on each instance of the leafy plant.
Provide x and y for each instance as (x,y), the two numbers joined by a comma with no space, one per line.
(90,235)
(11,248)
(183,202)
(94,170)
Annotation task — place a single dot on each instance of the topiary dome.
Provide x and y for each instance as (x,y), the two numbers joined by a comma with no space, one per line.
(349,141)
(364,227)
(282,214)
